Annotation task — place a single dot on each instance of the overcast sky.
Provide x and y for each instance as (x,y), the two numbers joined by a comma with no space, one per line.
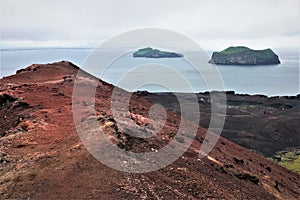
(213,24)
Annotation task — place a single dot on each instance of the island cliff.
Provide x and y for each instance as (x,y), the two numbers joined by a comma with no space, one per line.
(43,157)
(244,56)
(155,53)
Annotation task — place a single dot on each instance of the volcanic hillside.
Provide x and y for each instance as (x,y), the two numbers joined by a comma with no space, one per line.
(42,156)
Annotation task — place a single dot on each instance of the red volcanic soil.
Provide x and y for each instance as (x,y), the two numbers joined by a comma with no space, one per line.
(42,156)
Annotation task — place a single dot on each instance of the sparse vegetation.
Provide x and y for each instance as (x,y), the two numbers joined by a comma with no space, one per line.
(266,53)
(244,56)
(155,53)
(289,159)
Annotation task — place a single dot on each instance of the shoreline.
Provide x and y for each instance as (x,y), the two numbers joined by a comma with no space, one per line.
(264,124)
(231,92)
(40,138)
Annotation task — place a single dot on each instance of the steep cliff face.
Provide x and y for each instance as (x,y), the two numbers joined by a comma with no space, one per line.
(244,56)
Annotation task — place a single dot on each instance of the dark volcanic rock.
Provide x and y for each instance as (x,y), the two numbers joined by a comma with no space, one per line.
(248,177)
(5,98)
(50,161)
(263,124)
(244,56)
(12,112)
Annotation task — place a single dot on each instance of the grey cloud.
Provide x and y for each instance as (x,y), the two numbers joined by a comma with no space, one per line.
(66,20)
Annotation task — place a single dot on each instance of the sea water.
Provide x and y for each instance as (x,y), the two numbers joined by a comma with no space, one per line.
(127,71)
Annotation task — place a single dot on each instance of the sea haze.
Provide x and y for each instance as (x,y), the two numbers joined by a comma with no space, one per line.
(270,80)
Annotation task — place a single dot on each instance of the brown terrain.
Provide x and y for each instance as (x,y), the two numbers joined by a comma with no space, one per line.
(42,156)
(263,124)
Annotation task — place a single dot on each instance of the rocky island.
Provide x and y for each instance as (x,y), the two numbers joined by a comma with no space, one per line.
(43,157)
(155,53)
(244,56)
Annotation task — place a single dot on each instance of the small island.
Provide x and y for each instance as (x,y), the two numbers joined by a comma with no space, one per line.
(244,56)
(155,53)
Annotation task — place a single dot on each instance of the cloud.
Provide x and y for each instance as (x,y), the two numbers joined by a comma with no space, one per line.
(71,22)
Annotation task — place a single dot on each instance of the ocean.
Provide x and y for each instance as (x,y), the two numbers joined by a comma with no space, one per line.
(169,74)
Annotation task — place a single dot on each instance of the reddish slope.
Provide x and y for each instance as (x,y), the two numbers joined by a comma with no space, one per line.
(42,156)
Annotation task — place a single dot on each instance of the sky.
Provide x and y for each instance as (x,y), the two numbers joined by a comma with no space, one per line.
(213,24)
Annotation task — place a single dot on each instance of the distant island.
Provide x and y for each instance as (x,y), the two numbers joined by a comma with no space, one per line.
(155,53)
(244,56)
